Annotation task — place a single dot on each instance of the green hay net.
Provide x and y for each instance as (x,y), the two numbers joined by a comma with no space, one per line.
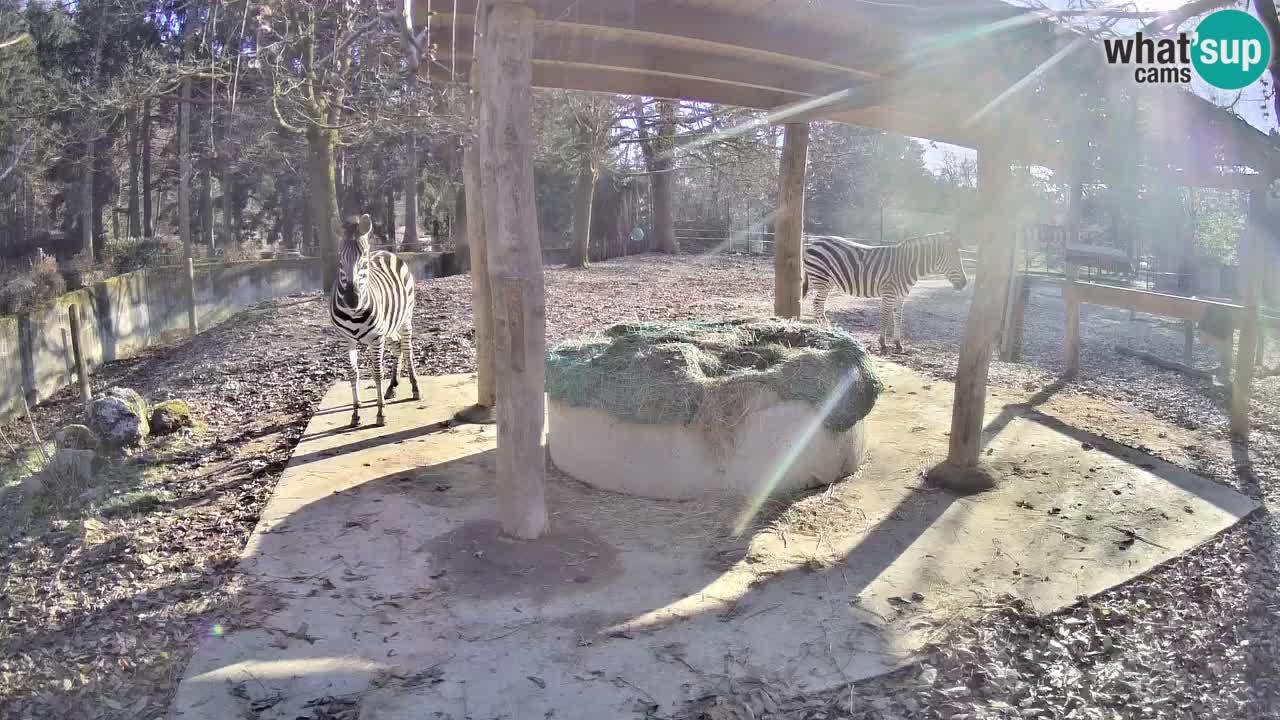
(704,372)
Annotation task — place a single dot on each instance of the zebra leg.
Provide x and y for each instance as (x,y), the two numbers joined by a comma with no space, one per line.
(886,321)
(377,381)
(411,361)
(353,355)
(820,302)
(897,323)
(395,370)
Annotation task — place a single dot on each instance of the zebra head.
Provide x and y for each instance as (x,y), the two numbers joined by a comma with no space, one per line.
(947,262)
(353,266)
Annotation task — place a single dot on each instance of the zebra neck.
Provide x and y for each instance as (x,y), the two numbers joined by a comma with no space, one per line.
(926,262)
(354,295)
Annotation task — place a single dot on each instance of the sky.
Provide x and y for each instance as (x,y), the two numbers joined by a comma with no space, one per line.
(1249,106)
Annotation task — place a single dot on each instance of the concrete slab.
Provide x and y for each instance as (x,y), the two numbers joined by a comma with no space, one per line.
(376,579)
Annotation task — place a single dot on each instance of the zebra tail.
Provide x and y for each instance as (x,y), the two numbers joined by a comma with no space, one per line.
(804,287)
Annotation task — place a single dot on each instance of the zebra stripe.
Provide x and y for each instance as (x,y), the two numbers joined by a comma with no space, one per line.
(372,303)
(884,271)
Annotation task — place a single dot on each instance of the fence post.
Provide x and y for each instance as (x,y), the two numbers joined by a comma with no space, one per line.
(191,296)
(77,352)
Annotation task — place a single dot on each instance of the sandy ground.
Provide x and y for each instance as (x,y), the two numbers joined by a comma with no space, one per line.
(100,610)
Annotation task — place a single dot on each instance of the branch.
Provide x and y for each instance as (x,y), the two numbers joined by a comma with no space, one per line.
(17,156)
(16,40)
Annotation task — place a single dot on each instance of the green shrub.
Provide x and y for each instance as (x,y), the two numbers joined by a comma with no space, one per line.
(19,292)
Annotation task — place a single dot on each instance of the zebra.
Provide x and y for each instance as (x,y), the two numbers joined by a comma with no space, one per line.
(883,271)
(372,302)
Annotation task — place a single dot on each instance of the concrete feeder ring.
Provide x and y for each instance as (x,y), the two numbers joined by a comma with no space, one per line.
(679,410)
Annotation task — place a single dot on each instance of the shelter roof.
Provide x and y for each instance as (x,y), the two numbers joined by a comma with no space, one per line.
(957,71)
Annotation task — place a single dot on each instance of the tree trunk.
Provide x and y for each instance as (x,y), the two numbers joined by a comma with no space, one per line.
(584,193)
(228,209)
(411,191)
(390,216)
(287,225)
(458,227)
(184,198)
(515,267)
(206,208)
(789,240)
(664,228)
(184,169)
(135,205)
(321,146)
(148,216)
(86,203)
(358,201)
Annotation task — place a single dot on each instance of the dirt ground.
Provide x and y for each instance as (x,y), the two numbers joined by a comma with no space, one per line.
(101,602)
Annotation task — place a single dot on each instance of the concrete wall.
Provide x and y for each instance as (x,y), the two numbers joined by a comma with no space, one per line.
(125,314)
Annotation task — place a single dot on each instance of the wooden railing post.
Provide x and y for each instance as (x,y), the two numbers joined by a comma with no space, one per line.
(77,352)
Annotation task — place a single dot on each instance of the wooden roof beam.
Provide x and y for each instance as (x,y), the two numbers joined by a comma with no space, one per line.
(615,81)
(612,52)
(767,37)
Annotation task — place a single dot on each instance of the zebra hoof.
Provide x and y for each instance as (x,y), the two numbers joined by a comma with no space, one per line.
(390,394)
(355,421)
(417,395)
(380,422)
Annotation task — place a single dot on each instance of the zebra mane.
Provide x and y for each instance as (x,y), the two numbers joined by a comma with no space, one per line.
(929,239)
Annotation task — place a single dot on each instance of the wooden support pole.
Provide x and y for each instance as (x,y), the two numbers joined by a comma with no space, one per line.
(1188,342)
(1009,335)
(192,324)
(994,263)
(515,266)
(478,253)
(1252,252)
(788,246)
(77,352)
(1074,208)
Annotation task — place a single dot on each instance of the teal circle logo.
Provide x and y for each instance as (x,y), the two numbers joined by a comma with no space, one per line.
(1231,49)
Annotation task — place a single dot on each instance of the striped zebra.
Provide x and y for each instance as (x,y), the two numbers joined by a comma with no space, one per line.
(372,303)
(883,271)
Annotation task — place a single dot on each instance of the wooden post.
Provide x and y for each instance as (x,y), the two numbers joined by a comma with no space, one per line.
(1188,343)
(515,265)
(1074,208)
(477,250)
(992,276)
(1252,252)
(77,352)
(788,247)
(1009,335)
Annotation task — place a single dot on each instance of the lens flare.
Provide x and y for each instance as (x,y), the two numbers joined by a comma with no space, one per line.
(799,442)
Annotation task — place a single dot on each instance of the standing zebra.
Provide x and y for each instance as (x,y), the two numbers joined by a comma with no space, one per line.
(372,303)
(883,271)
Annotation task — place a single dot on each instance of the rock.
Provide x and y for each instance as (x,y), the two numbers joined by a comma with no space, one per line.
(119,417)
(77,437)
(171,416)
(68,469)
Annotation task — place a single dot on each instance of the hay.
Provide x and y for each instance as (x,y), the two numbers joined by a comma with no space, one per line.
(691,372)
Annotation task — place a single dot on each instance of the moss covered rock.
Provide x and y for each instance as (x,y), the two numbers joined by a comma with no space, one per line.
(77,437)
(171,416)
(119,417)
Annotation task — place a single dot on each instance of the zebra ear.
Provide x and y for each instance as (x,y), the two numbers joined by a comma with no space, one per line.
(366,224)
